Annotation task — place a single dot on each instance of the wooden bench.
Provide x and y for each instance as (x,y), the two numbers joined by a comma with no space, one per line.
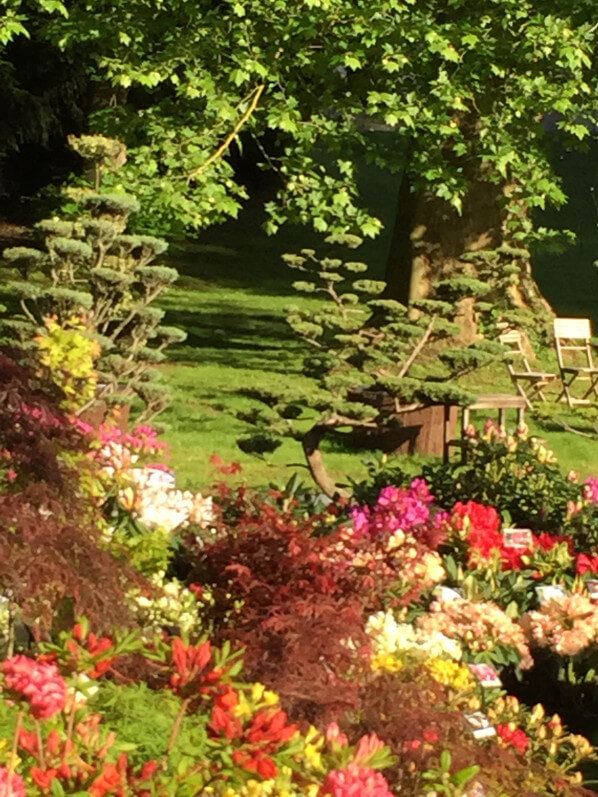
(487,401)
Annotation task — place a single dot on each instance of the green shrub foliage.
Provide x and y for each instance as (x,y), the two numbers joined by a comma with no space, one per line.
(88,267)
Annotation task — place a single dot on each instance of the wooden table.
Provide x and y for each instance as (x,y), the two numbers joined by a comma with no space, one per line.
(486,401)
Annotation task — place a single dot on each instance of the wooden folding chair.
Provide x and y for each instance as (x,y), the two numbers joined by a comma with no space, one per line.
(529,383)
(572,337)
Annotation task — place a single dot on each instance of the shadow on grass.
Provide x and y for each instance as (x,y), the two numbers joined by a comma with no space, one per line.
(236,336)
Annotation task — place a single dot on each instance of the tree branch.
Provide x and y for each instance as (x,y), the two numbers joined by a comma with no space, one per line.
(413,356)
(257,93)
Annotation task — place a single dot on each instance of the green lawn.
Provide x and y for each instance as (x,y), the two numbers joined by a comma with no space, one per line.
(231,299)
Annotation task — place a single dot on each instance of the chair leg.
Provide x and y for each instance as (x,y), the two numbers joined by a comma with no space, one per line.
(522,393)
(567,384)
(464,425)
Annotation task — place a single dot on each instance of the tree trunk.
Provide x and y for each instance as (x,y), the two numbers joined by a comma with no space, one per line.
(311,447)
(430,238)
(400,255)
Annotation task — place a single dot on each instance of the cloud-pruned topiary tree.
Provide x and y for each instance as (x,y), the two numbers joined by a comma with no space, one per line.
(87,272)
(368,358)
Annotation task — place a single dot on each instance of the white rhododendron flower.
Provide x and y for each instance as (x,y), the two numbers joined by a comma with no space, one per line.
(390,637)
(174,605)
(153,497)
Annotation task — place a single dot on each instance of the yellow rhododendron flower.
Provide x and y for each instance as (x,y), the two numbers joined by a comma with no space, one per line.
(257,691)
(271,698)
(450,673)
(386,662)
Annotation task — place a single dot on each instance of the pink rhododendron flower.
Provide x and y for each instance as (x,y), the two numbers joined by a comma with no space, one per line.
(11,784)
(334,736)
(39,683)
(567,625)
(590,489)
(367,747)
(355,781)
(404,509)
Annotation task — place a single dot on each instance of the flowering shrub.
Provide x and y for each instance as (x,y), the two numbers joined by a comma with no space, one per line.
(353,781)
(517,475)
(484,630)
(70,357)
(39,684)
(402,509)
(376,637)
(566,624)
(404,639)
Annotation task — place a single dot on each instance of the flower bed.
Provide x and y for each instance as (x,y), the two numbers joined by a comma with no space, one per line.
(415,640)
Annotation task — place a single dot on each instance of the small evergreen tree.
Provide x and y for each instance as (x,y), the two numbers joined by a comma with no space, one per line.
(370,357)
(88,272)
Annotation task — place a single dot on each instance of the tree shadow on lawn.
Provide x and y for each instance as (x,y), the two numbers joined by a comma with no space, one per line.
(226,334)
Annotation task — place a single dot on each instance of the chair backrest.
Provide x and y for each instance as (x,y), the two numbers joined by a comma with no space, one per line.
(573,335)
(512,338)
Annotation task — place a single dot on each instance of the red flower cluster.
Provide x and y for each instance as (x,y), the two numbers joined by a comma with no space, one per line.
(482,524)
(190,663)
(96,647)
(517,738)
(267,730)
(106,778)
(114,778)
(586,564)
(39,683)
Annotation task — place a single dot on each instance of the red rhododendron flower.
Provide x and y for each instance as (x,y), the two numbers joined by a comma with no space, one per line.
(548,541)
(28,741)
(39,683)
(586,564)
(43,777)
(189,662)
(517,739)
(222,724)
(355,781)
(481,517)
(109,779)
(482,523)
(268,726)
(11,784)
(256,762)
(227,698)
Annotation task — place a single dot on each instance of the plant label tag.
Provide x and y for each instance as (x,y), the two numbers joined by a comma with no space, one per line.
(592,587)
(517,538)
(448,594)
(486,675)
(479,725)
(476,790)
(550,592)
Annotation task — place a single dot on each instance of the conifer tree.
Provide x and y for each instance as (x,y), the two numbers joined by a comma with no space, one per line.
(367,358)
(87,272)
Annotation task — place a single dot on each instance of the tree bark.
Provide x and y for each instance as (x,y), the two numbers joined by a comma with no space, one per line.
(311,447)
(400,256)
(430,238)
